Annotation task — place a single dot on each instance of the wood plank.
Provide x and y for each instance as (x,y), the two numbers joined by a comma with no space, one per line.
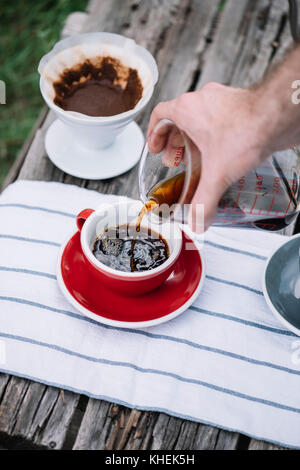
(165,432)
(75,23)
(15,169)
(188,38)
(254,51)
(142,437)
(10,403)
(95,426)
(262,445)
(53,417)
(206,437)
(109,16)
(261,45)
(4,378)
(37,161)
(187,435)
(221,58)
(227,440)
(36,412)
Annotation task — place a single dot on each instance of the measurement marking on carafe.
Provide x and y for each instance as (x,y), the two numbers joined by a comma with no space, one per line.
(288,207)
(271,205)
(253,205)
(237,201)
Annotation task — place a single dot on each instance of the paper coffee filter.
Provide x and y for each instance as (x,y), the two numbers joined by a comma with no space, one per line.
(76,49)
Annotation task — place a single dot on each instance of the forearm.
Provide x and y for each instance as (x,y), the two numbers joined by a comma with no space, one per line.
(277,104)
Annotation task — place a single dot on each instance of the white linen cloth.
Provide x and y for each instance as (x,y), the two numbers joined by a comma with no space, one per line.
(226,361)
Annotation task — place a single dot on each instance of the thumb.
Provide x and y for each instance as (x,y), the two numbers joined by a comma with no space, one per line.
(205,202)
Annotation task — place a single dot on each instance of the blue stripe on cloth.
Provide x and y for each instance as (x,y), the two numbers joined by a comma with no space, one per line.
(193,307)
(68,214)
(31,240)
(38,208)
(143,370)
(162,337)
(234,250)
(42,306)
(234,284)
(241,320)
(211,349)
(141,407)
(198,309)
(27,271)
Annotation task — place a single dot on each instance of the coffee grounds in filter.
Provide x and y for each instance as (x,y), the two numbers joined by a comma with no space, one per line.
(99,87)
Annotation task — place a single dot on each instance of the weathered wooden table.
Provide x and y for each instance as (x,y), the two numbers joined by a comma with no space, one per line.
(193,41)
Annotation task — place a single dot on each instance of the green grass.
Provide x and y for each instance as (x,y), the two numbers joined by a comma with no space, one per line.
(28,29)
(221,5)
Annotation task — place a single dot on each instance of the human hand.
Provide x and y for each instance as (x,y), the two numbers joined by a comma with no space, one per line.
(229,129)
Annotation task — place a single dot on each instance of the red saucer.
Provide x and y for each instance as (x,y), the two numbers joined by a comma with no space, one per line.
(106,306)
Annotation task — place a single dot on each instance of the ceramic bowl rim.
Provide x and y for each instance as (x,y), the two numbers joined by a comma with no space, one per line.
(274,310)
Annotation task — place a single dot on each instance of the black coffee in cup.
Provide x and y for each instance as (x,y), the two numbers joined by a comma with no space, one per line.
(125,249)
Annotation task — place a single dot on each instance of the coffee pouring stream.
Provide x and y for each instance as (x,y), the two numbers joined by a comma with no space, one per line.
(267,198)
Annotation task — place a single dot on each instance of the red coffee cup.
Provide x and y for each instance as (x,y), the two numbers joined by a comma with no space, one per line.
(92,223)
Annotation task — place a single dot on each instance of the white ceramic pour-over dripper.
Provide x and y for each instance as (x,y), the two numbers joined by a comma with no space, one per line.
(96,132)
(95,147)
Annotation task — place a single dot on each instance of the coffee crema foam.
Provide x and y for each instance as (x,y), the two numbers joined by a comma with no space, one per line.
(102,86)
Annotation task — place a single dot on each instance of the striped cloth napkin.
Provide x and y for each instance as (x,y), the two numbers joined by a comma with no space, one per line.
(226,361)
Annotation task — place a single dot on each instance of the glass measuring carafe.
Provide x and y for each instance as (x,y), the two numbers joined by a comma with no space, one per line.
(267,198)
